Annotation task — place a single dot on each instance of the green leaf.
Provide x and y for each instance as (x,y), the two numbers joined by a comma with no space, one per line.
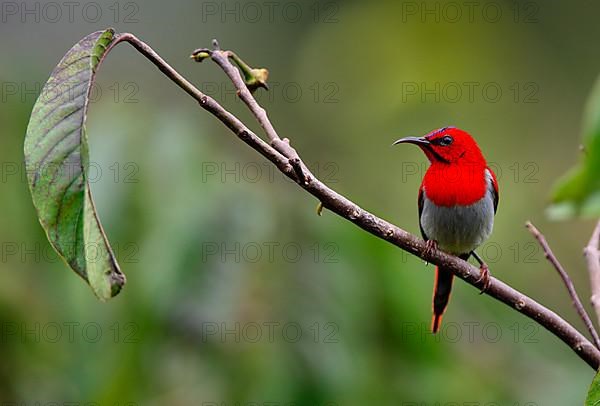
(578,192)
(56,159)
(593,396)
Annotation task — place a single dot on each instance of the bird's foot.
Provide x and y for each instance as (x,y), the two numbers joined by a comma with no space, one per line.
(430,246)
(484,277)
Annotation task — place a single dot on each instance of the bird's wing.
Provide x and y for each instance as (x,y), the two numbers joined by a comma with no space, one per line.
(421,202)
(493,186)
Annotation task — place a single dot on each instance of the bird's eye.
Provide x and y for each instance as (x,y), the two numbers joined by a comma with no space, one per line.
(446,140)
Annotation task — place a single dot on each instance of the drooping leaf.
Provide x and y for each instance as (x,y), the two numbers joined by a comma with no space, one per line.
(593,396)
(578,192)
(56,160)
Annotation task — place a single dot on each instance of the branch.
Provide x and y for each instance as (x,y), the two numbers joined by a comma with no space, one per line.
(592,256)
(380,228)
(221,58)
(566,279)
(209,104)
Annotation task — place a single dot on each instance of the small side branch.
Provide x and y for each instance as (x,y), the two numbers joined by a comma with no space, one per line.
(592,257)
(567,281)
(222,58)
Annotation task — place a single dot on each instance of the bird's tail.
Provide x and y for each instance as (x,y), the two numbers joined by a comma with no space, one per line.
(441,296)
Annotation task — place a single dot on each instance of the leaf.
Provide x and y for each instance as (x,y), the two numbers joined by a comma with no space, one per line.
(578,192)
(593,396)
(56,160)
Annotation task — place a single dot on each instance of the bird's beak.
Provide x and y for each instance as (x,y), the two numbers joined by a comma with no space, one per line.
(412,140)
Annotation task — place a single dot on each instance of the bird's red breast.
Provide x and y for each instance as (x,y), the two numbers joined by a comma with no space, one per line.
(453,185)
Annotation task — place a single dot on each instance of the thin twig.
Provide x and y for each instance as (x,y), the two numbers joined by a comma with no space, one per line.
(377,226)
(567,280)
(592,257)
(281,145)
(221,58)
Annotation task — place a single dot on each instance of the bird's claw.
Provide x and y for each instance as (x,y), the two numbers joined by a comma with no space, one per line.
(430,246)
(484,277)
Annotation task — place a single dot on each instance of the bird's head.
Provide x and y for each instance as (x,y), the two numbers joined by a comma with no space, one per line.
(448,145)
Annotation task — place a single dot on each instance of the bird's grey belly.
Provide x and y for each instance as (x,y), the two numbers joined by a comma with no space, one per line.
(458,229)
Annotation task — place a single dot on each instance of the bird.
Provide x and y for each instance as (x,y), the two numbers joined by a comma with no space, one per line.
(457,202)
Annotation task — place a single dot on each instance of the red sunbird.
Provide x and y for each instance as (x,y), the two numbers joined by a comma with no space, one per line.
(457,202)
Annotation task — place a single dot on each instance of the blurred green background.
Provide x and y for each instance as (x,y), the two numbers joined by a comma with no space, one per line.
(238,293)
